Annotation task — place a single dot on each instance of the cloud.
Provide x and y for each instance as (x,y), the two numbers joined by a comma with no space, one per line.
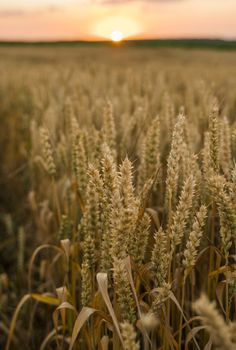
(12,13)
(50,9)
(8,13)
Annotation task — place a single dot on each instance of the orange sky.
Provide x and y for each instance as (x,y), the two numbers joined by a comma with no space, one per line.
(96,19)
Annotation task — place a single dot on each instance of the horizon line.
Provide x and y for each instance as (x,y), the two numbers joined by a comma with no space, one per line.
(79,40)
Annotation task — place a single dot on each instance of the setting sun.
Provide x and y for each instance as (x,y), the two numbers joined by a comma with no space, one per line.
(116,28)
(116,36)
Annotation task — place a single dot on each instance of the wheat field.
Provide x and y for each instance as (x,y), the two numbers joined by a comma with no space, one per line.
(118,198)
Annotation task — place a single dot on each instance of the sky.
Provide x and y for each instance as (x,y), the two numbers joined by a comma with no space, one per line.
(97,19)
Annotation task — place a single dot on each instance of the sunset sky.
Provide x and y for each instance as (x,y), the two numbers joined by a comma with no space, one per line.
(97,19)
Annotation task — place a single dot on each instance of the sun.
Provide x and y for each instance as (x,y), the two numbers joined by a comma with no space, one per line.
(116,36)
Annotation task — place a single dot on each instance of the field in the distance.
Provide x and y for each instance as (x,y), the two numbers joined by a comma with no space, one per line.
(117,201)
